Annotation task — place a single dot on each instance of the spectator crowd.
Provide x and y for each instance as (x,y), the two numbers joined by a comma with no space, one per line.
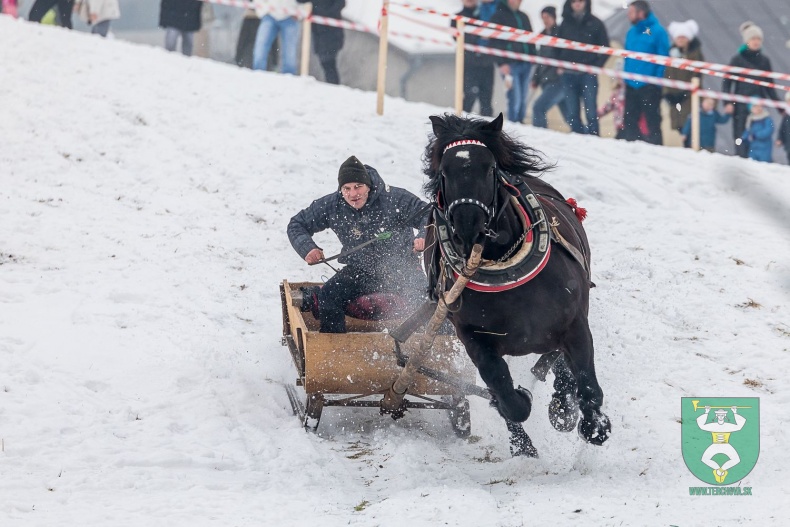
(635,104)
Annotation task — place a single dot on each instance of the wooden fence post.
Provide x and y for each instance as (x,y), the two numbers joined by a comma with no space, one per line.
(382,73)
(695,114)
(306,34)
(459,68)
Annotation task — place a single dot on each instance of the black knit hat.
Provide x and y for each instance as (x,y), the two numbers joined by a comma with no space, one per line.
(352,171)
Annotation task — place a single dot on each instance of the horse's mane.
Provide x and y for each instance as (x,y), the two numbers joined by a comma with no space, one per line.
(511,155)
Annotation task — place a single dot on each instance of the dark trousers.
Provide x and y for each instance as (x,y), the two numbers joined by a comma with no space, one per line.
(479,86)
(581,88)
(645,99)
(739,116)
(552,93)
(329,65)
(41,7)
(351,283)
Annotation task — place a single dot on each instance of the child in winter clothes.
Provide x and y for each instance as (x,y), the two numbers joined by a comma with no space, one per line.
(708,119)
(784,130)
(759,133)
(616,106)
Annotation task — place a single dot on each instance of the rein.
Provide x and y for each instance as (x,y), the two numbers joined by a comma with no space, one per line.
(386,235)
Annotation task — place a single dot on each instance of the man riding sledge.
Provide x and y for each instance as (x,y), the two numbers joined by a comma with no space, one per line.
(363,209)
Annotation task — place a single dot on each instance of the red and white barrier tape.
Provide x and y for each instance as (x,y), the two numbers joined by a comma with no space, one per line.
(453,32)
(508,33)
(513,37)
(344,24)
(624,75)
(539,38)
(731,97)
(580,67)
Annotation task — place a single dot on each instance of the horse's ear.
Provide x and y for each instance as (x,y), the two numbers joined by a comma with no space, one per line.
(438,124)
(496,124)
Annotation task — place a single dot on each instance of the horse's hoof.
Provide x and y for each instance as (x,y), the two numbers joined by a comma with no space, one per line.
(522,446)
(595,430)
(520,443)
(563,412)
(519,407)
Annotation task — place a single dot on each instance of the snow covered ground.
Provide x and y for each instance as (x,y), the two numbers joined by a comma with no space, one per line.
(143,205)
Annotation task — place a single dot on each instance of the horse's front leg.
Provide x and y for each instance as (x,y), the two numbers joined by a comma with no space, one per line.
(514,404)
(594,426)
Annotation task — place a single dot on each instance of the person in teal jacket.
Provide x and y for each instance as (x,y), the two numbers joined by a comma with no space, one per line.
(646,35)
(759,134)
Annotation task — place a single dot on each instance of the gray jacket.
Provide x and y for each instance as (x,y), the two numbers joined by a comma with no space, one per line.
(387,209)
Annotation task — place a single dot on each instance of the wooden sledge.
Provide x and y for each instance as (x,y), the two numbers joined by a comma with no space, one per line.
(356,368)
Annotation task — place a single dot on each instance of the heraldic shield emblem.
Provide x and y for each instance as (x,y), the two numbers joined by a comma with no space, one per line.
(720,437)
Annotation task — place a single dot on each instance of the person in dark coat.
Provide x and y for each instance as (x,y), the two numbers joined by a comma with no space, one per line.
(546,77)
(41,7)
(478,67)
(363,208)
(646,35)
(180,18)
(750,55)
(514,72)
(685,45)
(579,24)
(327,40)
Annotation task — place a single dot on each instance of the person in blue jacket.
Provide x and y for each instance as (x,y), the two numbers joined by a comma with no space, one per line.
(646,35)
(759,134)
(708,119)
(515,73)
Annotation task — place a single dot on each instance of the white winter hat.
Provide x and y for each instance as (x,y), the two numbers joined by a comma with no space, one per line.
(688,29)
(750,30)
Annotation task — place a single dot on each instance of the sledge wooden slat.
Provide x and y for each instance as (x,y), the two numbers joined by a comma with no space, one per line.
(362,360)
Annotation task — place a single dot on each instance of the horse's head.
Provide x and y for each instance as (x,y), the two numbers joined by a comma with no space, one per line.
(463,162)
(468,187)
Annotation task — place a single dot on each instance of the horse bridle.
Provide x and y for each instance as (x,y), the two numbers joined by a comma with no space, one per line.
(492,215)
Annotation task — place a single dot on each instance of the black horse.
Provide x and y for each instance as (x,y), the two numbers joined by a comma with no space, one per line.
(531,294)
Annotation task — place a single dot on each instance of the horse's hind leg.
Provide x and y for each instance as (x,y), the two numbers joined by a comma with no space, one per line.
(594,426)
(564,406)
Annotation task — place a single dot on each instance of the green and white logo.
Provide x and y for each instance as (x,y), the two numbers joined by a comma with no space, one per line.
(720,437)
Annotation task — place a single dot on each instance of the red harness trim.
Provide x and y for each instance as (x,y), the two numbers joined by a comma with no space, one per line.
(486,288)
